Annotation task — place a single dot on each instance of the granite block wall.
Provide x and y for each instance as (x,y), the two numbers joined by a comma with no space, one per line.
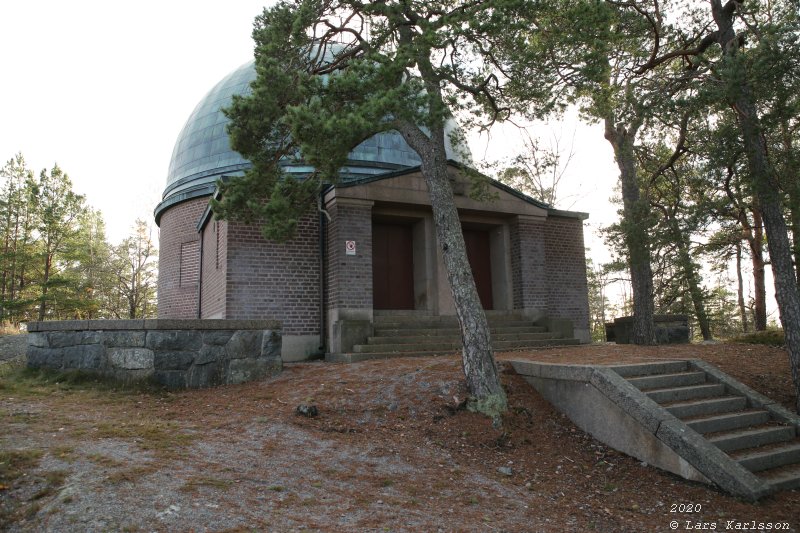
(174,353)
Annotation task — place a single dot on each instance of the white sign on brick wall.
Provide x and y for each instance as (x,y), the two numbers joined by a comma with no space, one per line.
(350,247)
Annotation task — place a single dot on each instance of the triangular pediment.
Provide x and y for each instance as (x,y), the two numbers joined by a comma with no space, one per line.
(408,186)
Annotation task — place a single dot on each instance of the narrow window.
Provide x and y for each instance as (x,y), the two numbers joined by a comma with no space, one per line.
(190,263)
(216,234)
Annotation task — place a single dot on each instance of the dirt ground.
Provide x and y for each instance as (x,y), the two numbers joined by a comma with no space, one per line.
(388,451)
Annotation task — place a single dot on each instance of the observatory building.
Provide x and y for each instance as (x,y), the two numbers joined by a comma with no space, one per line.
(375,258)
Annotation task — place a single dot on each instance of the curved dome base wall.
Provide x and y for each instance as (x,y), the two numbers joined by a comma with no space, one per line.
(179,260)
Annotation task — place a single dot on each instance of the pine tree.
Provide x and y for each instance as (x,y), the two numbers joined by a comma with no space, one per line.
(58,209)
(136,274)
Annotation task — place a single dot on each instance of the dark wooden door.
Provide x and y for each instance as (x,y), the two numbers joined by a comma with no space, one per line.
(392,267)
(480,261)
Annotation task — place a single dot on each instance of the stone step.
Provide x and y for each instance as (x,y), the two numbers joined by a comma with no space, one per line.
(686,393)
(381,331)
(445,347)
(773,457)
(708,406)
(741,439)
(425,339)
(383,314)
(443,322)
(648,369)
(517,329)
(665,381)
(521,345)
(735,439)
(353,357)
(728,421)
(436,347)
(783,478)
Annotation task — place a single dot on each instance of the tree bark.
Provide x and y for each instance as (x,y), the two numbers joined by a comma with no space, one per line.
(794,215)
(765,188)
(754,235)
(635,215)
(695,290)
(45,278)
(791,183)
(740,288)
(482,378)
(756,241)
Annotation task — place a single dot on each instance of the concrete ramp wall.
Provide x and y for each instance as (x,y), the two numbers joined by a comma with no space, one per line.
(686,417)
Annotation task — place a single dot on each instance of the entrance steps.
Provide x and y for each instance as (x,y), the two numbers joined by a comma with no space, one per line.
(686,417)
(407,334)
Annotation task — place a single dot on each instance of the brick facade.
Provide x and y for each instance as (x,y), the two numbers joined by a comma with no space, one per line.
(568,295)
(245,276)
(267,279)
(178,232)
(349,277)
(215,268)
(528,263)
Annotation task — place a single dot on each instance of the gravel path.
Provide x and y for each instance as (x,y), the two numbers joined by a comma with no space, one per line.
(390,450)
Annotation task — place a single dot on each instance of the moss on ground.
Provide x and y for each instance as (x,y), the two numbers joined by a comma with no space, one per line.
(770,337)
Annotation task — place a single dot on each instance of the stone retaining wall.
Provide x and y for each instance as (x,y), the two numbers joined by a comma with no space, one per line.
(174,353)
(670,329)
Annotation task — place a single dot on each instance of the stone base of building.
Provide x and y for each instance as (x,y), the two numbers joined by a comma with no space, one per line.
(172,353)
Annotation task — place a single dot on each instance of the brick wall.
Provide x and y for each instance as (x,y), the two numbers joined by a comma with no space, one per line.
(178,227)
(566,271)
(267,279)
(349,277)
(528,272)
(213,288)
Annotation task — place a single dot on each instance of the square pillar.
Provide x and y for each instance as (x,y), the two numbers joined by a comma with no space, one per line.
(528,265)
(348,275)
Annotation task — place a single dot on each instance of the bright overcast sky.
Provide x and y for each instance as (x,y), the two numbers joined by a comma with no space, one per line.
(104,88)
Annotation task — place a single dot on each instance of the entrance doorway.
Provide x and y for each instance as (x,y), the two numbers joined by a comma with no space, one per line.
(392,266)
(480,260)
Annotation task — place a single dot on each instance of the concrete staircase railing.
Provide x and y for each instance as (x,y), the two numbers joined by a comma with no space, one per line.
(398,334)
(686,417)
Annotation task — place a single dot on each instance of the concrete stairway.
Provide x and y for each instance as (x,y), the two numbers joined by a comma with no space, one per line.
(742,427)
(399,334)
(686,417)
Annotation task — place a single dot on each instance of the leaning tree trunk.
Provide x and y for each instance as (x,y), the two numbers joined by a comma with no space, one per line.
(765,188)
(483,380)
(635,214)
